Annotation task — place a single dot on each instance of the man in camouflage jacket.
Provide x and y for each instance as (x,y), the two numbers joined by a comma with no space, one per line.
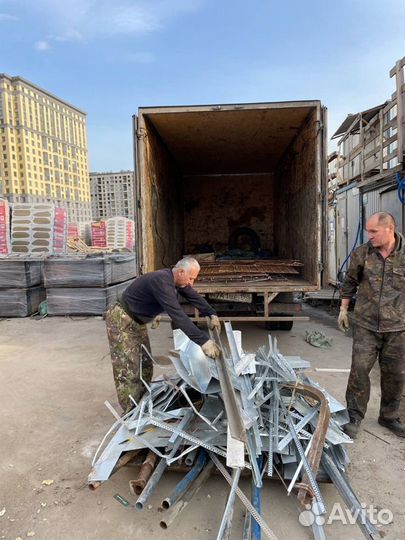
(377,274)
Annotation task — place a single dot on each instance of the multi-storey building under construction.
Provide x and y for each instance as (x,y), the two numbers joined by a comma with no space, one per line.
(43,146)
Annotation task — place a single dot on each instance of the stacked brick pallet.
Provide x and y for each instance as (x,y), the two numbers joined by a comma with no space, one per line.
(120,233)
(32,228)
(21,289)
(86,284)
(5,246)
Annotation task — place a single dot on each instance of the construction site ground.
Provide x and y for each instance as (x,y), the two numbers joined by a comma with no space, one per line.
(55,376)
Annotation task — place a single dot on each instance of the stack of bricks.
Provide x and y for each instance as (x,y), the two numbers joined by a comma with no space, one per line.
(32,228)
(120,233)
(5,247)
(98,234)
(60,230)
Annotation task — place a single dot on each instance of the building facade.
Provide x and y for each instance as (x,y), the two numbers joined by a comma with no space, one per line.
(112,194)
(367,173)
(43,143)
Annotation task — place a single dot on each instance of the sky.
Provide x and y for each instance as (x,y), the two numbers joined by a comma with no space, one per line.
(109,57)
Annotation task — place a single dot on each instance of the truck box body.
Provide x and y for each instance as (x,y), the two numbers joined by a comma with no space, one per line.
(204,172)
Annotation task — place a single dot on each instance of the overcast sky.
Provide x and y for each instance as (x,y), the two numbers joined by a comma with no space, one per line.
(108,57)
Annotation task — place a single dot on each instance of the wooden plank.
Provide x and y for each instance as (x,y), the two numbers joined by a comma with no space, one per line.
(399,79)
(390,103)
(377,177)
(390,156)
(381,140)
(250,319)
(391,123)
(293,285)
(398,65)
(266,304)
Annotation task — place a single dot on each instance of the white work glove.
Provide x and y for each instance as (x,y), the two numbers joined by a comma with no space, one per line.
(210,348)
(343,319)
(156,322)
(214,323)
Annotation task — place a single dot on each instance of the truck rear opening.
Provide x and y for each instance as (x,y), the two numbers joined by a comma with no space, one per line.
(241,184)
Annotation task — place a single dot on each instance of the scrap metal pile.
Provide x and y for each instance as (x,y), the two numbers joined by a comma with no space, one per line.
(256,413)
(228,271)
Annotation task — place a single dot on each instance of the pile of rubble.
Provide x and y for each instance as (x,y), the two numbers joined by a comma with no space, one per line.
(257,413)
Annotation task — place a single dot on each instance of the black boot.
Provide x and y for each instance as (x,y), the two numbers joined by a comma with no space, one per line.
(393,425)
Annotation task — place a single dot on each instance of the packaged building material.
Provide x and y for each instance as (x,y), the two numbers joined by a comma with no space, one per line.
(120,233)
(60,230)
(32,228)
(99,234)
(83,301)
(73,230)
(88,271)
(19,273)
(84,228)
(20,302)
(5,247)
(130,234)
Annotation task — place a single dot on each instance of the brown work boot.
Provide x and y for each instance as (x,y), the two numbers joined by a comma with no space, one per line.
(352,428)
(393,425)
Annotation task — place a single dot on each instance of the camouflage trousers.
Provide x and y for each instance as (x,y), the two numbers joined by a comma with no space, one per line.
(389,349)
(125,337)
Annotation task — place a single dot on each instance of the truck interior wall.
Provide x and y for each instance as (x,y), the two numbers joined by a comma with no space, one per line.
(296,230)
(215,206)
(163,204)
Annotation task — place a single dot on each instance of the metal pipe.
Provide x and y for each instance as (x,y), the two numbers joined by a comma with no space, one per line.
(189,460)
(247,527)
(184,483)
(157,473)
(256,502)
(226,523)
(248,505)
(349,497)
(137,486)
(181,504)
(122,461)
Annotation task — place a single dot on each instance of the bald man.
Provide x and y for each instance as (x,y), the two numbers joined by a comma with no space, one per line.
(141,303)
(377,274)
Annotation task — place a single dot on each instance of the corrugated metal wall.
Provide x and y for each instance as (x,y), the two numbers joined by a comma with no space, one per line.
(332,272)
(347,221)
(353,217)
(382,200)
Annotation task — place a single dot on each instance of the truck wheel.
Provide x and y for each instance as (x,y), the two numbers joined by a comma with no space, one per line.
(279,325)
(286,325)
(272,325)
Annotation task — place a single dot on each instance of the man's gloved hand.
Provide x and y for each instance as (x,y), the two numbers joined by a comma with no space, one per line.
(215,323)
(343,319)
(156,322)
(210,348)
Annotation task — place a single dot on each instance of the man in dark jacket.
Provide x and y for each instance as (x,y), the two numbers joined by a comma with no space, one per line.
(143,302)
(377,273)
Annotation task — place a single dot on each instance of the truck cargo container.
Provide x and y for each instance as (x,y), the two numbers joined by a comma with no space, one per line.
(244,181)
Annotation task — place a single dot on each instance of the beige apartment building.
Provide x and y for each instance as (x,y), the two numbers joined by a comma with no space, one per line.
(112,194)
(43,149)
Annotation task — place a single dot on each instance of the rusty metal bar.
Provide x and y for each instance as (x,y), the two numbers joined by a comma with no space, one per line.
(318,438)
(137,486)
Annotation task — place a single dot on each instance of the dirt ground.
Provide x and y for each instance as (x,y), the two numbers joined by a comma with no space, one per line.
(55,376)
